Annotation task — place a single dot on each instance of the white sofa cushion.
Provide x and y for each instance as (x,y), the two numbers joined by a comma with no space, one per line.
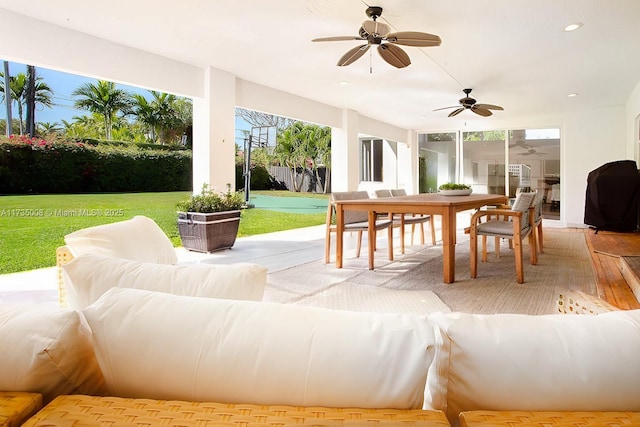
(138,239)
(89,276)
(162,346)
(541,363)
(47,350)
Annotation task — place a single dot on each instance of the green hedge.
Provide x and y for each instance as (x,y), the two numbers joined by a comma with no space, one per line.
(32,165)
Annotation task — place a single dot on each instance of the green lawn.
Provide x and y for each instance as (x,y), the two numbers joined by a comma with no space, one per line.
(32,227)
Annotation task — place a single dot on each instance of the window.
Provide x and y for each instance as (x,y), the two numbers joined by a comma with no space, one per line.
(437,160)
(371,160)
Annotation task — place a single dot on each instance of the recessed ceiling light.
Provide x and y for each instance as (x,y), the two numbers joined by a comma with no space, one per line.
(573,27)
(344,83)
(571,95)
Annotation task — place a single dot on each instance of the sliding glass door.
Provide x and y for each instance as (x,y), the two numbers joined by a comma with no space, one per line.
(495,162)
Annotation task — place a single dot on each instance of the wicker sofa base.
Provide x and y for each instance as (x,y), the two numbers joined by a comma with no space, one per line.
(112,411)
(17,407)
(544,419)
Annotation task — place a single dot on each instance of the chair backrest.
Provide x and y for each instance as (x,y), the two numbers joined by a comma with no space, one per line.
(523,203)
(383,193)
(398,192)
(537,203)
(352,216)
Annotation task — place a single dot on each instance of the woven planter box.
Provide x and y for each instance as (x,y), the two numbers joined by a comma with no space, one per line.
(208,232)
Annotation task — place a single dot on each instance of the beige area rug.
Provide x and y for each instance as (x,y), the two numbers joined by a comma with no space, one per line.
(413,282)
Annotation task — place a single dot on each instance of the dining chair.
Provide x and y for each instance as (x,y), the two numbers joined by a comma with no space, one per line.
(355,221)
(537,222)
(513,223)
(417,219)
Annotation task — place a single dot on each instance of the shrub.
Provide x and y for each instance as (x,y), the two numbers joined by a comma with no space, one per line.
(34,165)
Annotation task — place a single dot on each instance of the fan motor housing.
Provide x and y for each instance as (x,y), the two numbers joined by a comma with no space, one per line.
(374,12)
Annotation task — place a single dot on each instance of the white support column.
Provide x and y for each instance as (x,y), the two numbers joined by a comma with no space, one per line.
(408,163)
(345,159)
(214,132)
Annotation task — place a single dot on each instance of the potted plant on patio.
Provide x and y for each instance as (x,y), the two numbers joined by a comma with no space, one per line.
(453,189)
(209,221)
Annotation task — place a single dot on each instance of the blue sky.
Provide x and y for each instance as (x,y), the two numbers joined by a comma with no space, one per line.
(63,84)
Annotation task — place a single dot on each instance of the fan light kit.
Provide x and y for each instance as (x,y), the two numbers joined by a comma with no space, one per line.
(379,34)
(468,103)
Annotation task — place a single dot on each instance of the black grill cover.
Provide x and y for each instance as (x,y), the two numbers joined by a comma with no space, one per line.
(612,196)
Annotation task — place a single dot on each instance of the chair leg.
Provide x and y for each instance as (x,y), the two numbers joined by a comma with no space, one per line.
(359,244)
(517,246)
(540,238)
(327,245)
(473,256)
(533,248)
(390,238)
(484,248)
(433,231)
(497,247)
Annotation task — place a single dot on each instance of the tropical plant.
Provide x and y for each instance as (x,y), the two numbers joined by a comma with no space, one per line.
(209,201)
(144,112)
(48,128)
(299,148)
(105,99)
(18,86)
(166,116)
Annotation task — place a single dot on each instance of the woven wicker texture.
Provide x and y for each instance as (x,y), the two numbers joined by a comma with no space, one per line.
(16,407)
(576,302)
(63,256)
(114,411)
(547,419)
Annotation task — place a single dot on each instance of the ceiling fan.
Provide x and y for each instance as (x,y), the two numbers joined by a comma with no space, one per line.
(468,103)
(531,151)
(379,34)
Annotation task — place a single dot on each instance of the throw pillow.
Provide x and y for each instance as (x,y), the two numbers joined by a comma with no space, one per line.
(46,350)
(162,346)
(89,276)
(138,239)
(535,363)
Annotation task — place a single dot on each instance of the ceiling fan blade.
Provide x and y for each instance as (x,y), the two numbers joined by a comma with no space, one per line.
(414,38)
(446,108)
(394,55)
(481,111)
(489,107)
(456,112)
(374,28)
(352,55)
(337,39)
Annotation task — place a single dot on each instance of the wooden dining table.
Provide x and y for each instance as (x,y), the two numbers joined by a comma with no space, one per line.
(429,204)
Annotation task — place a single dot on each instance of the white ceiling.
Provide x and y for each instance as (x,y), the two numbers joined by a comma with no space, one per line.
(513,53)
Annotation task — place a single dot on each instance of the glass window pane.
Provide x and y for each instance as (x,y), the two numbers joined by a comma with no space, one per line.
(484,163)
(437,160)
(539,150)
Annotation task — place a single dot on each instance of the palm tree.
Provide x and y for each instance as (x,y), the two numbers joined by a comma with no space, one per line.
(104,99)
(167,116)
(19,85)
(291,151)
(48,128)
(145,113)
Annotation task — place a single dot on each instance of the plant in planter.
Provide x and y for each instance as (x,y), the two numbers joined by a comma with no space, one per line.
(209,221)
(453,189)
